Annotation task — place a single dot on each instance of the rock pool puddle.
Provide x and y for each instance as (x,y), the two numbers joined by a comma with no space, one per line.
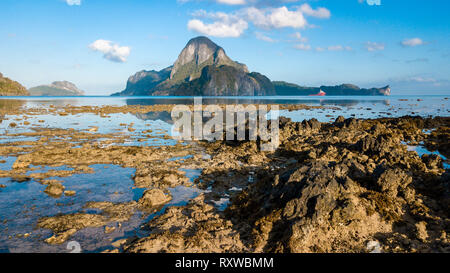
(138,130)
(23,204)
(422,150)
(6,162)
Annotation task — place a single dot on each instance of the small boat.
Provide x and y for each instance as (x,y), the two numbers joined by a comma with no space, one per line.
(320,94)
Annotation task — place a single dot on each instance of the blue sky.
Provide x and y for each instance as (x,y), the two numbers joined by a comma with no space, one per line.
(98,44)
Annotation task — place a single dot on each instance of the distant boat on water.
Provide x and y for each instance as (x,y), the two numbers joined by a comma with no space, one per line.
(320,94)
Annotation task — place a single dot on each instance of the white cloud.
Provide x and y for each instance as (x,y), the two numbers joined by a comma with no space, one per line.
(339,48)
(373,46)
(412,42)
(420,79)
(73,2)
(111,51)
(226,2)
(232,2)
(234,24)
(275,17)
(371,2)
(322,13)
(262,37)
(302,47)
(298,36)
(223,28)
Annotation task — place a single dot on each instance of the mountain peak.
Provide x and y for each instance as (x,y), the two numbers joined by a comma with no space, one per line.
(203,40)
(198,53)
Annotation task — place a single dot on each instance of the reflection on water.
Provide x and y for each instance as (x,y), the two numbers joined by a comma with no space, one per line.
(7,105)
(257,100)
(347,106)
(162,116)
(21,204)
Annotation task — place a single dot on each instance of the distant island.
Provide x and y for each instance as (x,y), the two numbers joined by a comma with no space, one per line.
(9,87)
(204,69)
(290,89)
(58,88)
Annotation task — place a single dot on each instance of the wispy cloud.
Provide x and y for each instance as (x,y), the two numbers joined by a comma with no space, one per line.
(412,42)
(299,37)
(420,79)
(111,51)
(419,60)
(226,2)
(374,46)
(339,48)
(232,2)
(303,47)
(263,37)
(73,2)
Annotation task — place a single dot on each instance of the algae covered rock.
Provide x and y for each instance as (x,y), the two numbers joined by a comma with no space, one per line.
(153,198)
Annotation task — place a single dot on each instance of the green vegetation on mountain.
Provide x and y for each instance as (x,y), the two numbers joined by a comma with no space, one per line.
(289,89)
(58,88)
(144,82)
(225,81)
(204,69)
(199,53)
(9,87)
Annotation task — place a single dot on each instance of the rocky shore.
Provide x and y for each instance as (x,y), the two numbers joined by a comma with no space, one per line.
(351,185)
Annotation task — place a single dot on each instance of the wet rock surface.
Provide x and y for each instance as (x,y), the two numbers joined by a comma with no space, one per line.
(153,198)
(351,185)
(196,228)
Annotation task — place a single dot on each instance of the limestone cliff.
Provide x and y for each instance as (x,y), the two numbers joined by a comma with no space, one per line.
(204,69)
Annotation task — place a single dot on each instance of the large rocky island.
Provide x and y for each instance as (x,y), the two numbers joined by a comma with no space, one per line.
(9,87)
(58,88)
(204,69)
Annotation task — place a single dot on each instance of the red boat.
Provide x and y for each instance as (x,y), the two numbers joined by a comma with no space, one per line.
(320,94)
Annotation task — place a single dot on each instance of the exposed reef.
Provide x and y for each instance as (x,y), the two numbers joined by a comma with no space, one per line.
(351,185)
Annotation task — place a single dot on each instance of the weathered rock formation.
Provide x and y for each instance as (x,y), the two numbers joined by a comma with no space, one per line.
(202,68)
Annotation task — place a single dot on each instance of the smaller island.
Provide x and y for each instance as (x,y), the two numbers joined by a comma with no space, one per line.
(290,89)
(58,88)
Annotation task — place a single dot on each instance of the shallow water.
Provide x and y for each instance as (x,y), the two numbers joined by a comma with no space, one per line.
(22,204)
(349,106)
(421,150)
